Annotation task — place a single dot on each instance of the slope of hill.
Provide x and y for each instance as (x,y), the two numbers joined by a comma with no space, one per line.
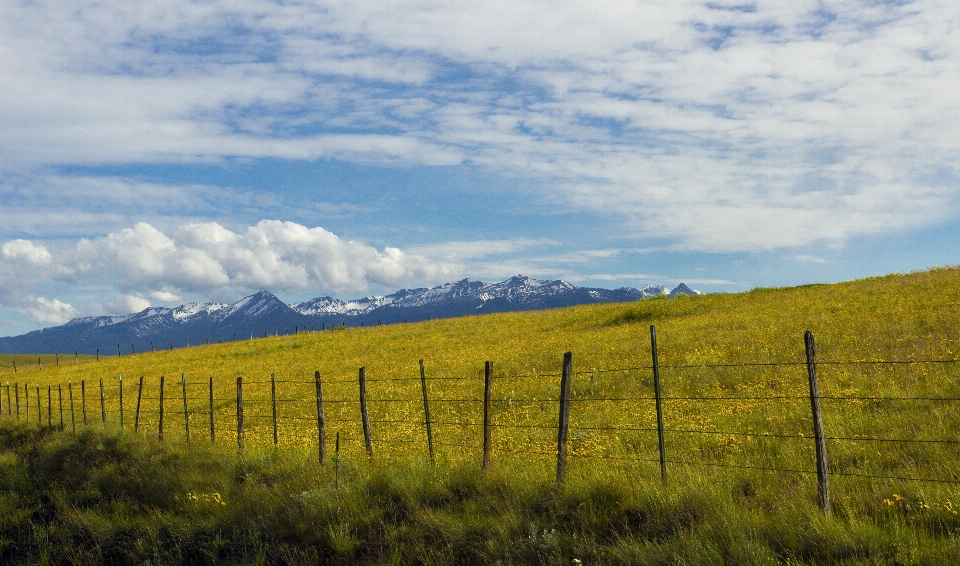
(740,480)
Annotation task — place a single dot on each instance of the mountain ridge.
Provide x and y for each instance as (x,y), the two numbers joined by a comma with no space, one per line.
(262,314)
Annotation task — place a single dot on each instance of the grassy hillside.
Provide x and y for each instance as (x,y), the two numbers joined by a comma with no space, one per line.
(732,430)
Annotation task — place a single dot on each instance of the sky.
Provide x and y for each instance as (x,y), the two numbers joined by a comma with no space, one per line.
(154,153)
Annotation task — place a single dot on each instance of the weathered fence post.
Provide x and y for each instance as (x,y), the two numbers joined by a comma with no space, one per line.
(364,416)
(487,410)
(121,401)
(656,392)
(211,411)
(240,413)
(321,421)
(49,406)
(186,414)
(26,401)
(823,485)
(16,392)
(103,405)
(160,427)
(273,407)
(73,414)
(9,408)
(83,401)
(60,399)
(564,424)
(426,411)
(136,414)
(39,411)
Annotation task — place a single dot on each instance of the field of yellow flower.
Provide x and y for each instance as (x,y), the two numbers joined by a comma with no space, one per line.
(734,385)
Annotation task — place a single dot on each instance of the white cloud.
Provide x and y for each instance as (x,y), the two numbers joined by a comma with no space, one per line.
(143,263)
(716,129)
(49,311)
(26,251)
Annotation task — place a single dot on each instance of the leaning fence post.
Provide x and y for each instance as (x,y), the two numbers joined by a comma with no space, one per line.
(160,427)
(211,410)
(103,405)
(364,416)
(321,421)
(240,413)
(186,414)
(273,406)
(136,415)
(564,424)
(426,411)
(656,392)
(823,485)
(73,415)
(83,401)
(487,410)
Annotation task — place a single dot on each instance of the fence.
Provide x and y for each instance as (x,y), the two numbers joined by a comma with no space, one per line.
(762,416)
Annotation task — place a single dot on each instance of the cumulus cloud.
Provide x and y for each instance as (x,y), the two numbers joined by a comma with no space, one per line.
(26,251)
(144,263)
(49,311)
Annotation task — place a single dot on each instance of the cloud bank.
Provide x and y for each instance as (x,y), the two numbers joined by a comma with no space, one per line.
(718,127)
(143,264)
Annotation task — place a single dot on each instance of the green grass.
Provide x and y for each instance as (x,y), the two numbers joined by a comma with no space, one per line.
(279,507)
(105,497)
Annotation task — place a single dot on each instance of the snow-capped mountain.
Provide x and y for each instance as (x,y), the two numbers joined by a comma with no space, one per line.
(263,314)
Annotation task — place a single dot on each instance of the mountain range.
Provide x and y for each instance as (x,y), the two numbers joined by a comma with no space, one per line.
(263,314)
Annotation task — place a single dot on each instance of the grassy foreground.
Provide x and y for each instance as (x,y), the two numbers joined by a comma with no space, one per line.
(104,494)
(110,498)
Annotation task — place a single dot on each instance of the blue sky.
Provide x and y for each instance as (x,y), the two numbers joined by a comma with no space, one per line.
(154,153)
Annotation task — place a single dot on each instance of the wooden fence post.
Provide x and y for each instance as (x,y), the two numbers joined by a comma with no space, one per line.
(212,439)
(656,391)
(426,411)
(60,399)
(73,414)
(39,411)
(186,414)
(103,405)
(564,423)
(49,406)
(121,401)
(364,416)
(321,421)
(9,408)
(823,485)
(26,401)
(273,407)
(240,413)
(16,392)
(160,427)
(136,415)
(83,401)
(487,410)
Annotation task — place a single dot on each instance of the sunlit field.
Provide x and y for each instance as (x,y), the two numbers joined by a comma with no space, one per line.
(736,415)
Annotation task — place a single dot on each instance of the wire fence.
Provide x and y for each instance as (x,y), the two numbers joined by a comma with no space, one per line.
(762,416)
